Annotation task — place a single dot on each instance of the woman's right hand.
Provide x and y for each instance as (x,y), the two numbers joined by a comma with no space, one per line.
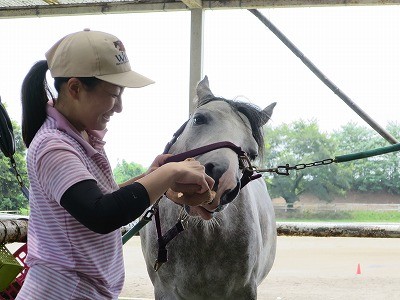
(187,176)
(191,178)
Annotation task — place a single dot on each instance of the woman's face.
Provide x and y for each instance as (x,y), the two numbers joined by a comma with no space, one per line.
(98,105)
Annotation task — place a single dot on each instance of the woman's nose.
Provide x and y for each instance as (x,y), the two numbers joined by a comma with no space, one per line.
(118,105)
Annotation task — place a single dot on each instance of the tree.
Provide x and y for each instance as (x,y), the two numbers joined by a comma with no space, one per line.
(297,143)
(125,171)
(373,174)
(10,190)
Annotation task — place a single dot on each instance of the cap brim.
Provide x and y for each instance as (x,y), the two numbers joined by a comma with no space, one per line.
(128,79)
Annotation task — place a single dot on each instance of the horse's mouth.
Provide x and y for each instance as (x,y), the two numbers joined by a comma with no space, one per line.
(200,211)
(205,212)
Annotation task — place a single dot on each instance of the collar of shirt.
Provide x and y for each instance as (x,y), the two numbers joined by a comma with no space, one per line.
(95,136)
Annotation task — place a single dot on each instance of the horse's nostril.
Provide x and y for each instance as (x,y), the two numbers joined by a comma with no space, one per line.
(230,195)
(209,169)
(215,170)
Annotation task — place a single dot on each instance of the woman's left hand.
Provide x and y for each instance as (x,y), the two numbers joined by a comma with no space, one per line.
(157,162)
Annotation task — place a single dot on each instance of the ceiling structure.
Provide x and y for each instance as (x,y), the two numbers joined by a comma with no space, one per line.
(40,8)
(47,8)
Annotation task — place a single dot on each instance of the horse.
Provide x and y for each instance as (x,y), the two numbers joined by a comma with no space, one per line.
(228,246)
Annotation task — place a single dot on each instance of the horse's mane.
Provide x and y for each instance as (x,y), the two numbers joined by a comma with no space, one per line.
(252,112)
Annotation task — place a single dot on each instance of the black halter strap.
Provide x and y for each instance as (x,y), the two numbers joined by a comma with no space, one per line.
(205,149)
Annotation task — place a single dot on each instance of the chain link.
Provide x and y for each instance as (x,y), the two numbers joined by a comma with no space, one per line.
(19,177)
(284,170)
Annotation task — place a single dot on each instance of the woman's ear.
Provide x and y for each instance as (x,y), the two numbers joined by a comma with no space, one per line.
(74,86)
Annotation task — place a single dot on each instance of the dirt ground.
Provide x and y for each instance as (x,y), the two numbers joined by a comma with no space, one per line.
(306,268)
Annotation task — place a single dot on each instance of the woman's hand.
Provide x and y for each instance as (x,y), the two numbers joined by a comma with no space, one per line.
(187,176)
(191,178)
(157,162)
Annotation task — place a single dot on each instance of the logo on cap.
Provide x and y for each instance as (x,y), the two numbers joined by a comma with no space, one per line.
(122,58)
(119,46)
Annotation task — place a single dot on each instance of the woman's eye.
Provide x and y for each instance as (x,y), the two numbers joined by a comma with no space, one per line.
(199,119)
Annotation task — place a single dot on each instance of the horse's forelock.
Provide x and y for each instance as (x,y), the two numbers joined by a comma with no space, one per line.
(252,112)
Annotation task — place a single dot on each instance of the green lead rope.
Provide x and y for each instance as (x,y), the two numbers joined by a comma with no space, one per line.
(365,154)
(338,159)
(135,229)
(142,222)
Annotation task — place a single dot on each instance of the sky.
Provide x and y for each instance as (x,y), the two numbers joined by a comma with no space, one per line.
(357,48)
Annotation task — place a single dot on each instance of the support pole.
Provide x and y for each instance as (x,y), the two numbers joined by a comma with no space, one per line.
(386,135)
(196,53)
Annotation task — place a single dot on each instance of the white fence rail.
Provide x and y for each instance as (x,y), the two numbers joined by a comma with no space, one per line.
(320,229)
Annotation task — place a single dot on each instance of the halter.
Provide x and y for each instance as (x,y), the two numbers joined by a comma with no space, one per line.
(244,162)
(249,172)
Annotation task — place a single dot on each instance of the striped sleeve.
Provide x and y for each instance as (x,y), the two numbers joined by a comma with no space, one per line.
(59,166)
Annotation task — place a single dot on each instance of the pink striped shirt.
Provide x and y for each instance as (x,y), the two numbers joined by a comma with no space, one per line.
(64,256)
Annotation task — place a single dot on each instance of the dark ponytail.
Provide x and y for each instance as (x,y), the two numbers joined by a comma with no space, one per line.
(34,98)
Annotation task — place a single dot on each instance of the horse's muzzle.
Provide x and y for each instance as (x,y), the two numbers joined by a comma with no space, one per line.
(230,195)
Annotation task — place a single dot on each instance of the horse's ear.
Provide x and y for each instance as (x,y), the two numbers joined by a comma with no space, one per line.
(266,113)
(203,91)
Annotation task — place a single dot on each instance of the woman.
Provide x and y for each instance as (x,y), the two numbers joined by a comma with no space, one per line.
(76,207)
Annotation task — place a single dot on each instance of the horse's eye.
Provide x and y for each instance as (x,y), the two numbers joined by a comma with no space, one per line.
(199,119)
(253,156)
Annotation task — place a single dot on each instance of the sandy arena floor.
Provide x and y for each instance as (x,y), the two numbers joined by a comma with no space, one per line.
(306,268)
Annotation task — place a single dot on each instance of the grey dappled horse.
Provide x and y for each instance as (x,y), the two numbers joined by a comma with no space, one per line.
(228,246)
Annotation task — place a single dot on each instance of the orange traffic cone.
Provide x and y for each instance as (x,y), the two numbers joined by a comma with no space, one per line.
(358,269)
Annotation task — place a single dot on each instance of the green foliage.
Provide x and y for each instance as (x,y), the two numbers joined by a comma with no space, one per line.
(312,215)
(10,191)
(297,143)
(302,142)
(373,174)
(375,216)
(339,216)
(125,171)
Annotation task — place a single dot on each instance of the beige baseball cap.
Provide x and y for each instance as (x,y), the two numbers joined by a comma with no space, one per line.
(93,54)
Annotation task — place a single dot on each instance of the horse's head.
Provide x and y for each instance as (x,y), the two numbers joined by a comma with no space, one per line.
(214,120)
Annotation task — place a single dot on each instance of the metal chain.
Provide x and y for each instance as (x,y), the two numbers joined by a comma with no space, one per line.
(24,189)
(284,170)
(19,177)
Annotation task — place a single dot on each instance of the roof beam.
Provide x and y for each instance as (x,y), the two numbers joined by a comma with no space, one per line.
(169,5)
(90,9)
(215,4)
(193,3)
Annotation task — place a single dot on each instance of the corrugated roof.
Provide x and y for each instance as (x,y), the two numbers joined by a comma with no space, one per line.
(32,8)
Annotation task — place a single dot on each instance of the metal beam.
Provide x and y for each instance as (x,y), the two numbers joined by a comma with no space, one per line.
(111,7)
(92,9)
(382,131)
(196,53)
(215,4)
(193,3)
